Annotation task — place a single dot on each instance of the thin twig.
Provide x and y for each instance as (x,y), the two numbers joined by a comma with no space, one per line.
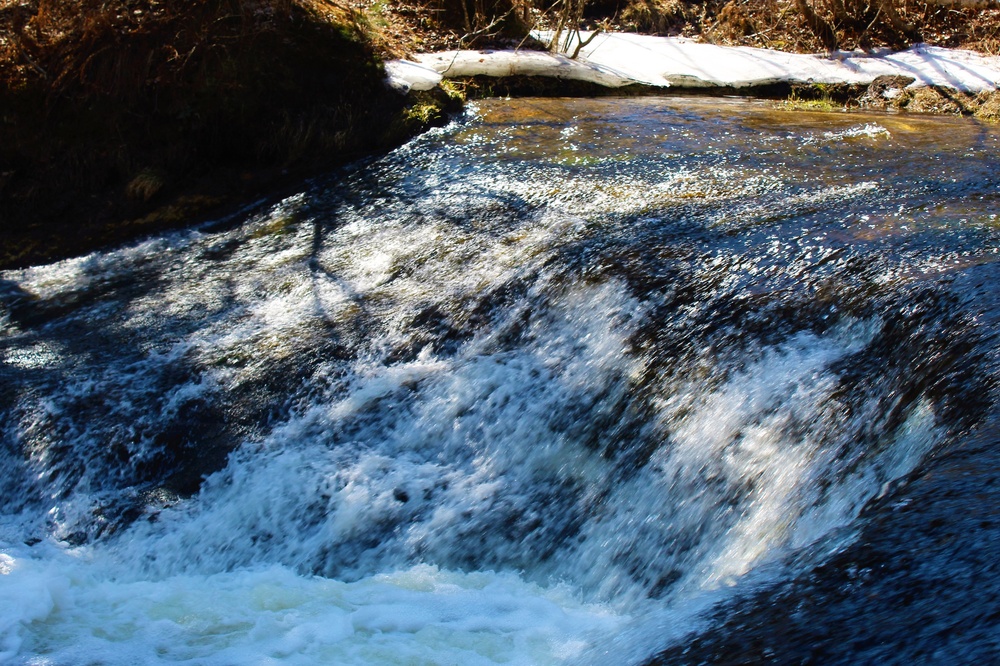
(479,33)
(581,44)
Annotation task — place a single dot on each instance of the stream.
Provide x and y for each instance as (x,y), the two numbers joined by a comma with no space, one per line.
(568,381)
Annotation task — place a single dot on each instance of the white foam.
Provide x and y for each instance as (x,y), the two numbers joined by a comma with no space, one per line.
(62,614)
(867,131)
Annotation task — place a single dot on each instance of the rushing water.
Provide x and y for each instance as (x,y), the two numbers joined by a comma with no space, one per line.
(568,381)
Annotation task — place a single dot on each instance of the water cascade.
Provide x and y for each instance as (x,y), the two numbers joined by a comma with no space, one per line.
(542,386)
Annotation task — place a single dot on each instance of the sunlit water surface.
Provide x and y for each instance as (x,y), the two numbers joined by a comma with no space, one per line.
(547,385)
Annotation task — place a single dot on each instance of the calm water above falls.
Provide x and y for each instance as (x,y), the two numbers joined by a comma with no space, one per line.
(568,381)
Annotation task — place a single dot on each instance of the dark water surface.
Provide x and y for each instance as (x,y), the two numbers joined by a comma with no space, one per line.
(568,381)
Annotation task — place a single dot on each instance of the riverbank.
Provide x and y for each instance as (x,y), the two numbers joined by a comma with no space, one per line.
(922,78)
(123,119)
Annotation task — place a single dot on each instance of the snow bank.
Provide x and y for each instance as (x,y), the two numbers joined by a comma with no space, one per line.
(405,76)
(658,61)
(452,64)
(618,59)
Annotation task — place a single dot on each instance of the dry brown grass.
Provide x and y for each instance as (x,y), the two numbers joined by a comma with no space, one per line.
(660,16)
(779,24)
(118,46)
(110,108)
(424,25)
(989,108)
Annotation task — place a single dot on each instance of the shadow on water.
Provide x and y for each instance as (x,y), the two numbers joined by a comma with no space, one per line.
(106,398)
(917,586)
(918,583)
(88,415)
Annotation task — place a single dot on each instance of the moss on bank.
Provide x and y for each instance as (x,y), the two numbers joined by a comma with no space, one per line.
(124,118)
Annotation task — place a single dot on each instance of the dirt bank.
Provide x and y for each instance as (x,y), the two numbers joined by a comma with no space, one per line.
(123,118)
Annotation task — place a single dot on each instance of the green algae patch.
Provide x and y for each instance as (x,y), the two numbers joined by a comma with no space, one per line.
(822,105)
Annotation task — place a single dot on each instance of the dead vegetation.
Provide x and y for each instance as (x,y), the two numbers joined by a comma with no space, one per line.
(891,93)
(114,108)
(823,25)
(791,25)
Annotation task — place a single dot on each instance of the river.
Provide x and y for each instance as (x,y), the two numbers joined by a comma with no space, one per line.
(566,381)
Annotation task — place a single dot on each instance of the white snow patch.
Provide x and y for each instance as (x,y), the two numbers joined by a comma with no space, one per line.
(405,75)
(523,63)
(618,59)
